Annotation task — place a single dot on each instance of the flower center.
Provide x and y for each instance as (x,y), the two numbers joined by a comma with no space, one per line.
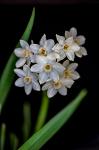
(27,53)
(66,47)
(67,73)
(57,85)
(27,79)
(42,51)
(47,68)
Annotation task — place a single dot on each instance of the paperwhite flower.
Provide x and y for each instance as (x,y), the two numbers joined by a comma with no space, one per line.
(69,72)
(47,69)
(59,86)
(24,53)
(66,47)
(27,79)
(80,40)
(44,47)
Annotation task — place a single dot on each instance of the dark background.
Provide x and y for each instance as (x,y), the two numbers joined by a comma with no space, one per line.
(82,130)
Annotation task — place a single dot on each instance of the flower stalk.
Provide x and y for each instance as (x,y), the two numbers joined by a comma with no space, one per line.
(42,112)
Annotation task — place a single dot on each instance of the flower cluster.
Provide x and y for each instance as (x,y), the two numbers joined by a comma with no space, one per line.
(48,63)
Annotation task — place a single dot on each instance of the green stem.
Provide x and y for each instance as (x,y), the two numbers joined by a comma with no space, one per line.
(42,112)
(3,136)
(13,141)
(27,120)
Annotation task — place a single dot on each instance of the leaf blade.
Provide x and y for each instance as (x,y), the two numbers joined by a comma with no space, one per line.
(44,134)
(7,76)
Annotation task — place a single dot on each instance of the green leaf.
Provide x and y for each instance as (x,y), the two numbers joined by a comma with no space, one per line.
(8,74)
(45,133)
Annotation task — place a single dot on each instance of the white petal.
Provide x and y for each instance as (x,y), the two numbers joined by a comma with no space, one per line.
(54,75)
(41,59)
(75,75)
(62,55)
(36,68)
(73,32)
(51,92)
(36,86)
(60,68)
(70,55)
(34,76)
(68,82)
(75,47)
(24,44)
(46,86)
(60,39)
(26,69)
(63,91)
(78,54)
(57,47)
(80,40)
(67,34)
(69,41)
(33,58)
(83,51)
(20,62)
(34,48)
(28,88)
(43,39)
(49,44)
(19,72)
(66,63)
(73,66)
(53,56)
(43,77)
(19,82)
(18,52)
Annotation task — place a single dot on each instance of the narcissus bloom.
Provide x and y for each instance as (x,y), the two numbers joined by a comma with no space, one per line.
(80,40)
(69,72)
(24,53)
(47,69)
(60,86)
(27,79)
(44,47)
(66,47)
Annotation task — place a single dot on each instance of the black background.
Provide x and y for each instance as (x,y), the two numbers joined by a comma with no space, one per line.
(82,130)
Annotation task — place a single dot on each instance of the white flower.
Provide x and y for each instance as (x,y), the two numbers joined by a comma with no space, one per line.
(24,53)
(44,47)
(47,69)
(69,72)
(66,47)
(80,40)
(59,86)
(27,79)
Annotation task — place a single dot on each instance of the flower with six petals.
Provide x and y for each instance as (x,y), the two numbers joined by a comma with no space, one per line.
(27,79)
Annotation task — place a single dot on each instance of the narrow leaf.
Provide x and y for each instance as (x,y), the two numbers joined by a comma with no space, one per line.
(8,75)
(45,133)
